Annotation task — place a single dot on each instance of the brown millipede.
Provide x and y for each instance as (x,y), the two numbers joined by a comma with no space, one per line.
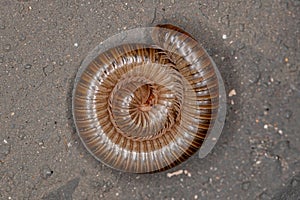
(147,107)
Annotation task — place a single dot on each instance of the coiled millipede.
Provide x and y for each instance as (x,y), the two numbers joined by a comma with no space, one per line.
(146,106)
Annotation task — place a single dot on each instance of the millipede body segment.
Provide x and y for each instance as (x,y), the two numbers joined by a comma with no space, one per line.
(147,107)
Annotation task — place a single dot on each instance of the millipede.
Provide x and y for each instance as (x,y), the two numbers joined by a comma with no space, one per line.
(144,107)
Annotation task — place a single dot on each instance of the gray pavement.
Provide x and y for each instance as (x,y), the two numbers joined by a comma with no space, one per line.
(255,45)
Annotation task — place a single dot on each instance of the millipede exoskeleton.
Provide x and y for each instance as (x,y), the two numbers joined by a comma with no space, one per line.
(146,105)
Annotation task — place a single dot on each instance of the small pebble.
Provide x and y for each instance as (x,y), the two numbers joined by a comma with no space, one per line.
(22,136)
(288,114)
(7,47)
(61,63)
(27,66)
(186,172)
(232,93)
(258,162)
(76,44)
(224,37)
(46,172)
(41,144)
(266,126)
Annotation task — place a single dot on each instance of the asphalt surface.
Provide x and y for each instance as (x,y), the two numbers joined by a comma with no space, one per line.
(255,45)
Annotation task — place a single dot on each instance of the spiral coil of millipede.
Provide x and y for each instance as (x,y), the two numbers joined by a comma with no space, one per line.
(147,107)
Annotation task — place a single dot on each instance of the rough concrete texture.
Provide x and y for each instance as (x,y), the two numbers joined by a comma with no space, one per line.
(254,43)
